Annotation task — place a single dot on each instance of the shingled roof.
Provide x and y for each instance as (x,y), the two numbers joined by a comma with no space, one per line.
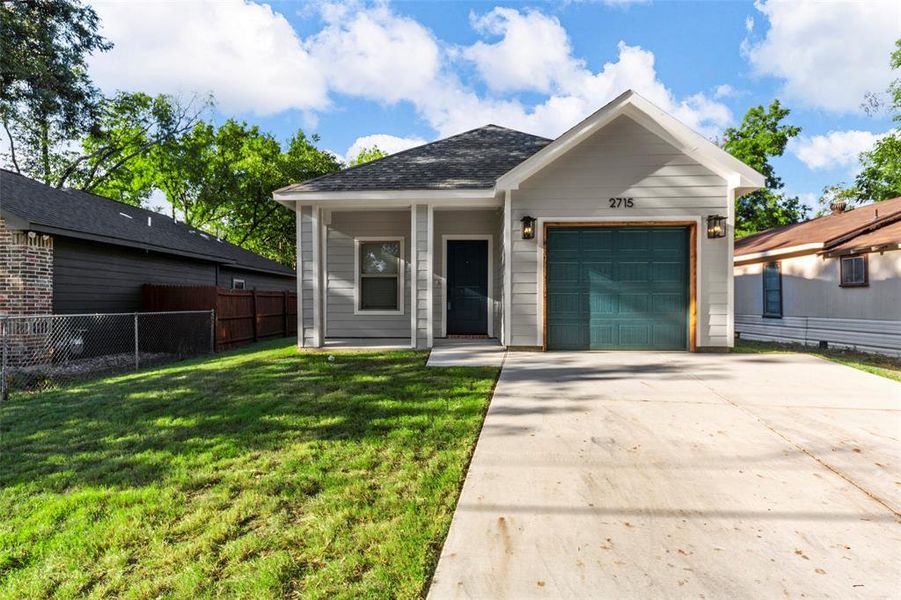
(858,229)
(470,160)
(78,214)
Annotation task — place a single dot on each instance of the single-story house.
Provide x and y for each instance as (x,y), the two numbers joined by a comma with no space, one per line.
(830,281)
(616,235)
(67,251)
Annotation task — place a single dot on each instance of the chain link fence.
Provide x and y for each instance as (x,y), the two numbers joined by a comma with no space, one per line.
(45,351)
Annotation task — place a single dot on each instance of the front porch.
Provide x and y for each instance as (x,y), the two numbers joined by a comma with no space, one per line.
(393,277)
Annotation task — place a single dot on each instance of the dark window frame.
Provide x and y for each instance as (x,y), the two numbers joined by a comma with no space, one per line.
(866,271)
(763,279)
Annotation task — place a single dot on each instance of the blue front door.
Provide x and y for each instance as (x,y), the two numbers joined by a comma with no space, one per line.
(467,287)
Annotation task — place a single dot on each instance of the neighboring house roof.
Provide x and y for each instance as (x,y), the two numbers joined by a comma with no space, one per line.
(866,228)
(29,204)
(470,160)
(631,104)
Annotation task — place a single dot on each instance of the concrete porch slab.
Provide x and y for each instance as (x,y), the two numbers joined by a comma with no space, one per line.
(467,353)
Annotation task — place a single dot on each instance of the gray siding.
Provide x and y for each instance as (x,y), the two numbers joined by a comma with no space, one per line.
(93,277)
(90,277)
(345,226)
(623,159)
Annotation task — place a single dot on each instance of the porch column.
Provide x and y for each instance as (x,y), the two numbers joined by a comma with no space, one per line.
(508,270)
(414,276)
(318,334)
(430,277)
(298,271)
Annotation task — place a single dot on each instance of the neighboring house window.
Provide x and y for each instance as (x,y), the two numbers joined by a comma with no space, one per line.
(772,290)
(237,284)
(379,275)
(854,271)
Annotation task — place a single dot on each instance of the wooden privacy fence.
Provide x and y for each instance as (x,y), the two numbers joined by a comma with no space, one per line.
(242,316)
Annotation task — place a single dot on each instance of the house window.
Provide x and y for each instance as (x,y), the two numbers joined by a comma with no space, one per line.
(854,271)
(380,275)
(237,284)
(772,290)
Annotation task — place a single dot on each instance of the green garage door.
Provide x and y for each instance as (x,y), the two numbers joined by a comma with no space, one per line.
(617,288)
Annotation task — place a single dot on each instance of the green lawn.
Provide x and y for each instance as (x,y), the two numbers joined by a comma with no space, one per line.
(883,366)
(263,473)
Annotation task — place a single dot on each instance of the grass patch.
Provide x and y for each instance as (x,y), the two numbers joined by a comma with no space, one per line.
(262,473)
(884,366)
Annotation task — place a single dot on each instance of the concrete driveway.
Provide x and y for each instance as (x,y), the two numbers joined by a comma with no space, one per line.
(638,475)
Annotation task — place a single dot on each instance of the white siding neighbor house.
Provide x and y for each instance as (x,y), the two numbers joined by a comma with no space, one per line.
(616,235)
(831,281)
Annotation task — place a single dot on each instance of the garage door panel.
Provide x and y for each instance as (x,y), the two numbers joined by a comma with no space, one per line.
(617,288)
(634,304)
(632,271)
(603,304)
(665,272)
(632,240)
(634,335)
(565,305)
(564,272)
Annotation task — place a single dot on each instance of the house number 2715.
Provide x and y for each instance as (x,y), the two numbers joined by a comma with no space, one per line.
(621,203)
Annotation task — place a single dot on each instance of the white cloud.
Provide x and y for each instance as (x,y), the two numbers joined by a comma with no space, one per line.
(251,58)
(724,90)
(246,54)
(375,54)
(517,62)
(533,54)
(386,143)
(829,54)
(834,149)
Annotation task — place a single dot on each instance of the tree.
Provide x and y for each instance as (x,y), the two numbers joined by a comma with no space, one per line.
(46,96)
(836,193)
(880,177)
(762,136)
(366,155)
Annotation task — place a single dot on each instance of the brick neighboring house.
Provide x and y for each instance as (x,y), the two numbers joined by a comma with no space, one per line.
(67,251)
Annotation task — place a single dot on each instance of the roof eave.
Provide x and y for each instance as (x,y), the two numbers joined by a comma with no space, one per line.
(798,249)
(401,197)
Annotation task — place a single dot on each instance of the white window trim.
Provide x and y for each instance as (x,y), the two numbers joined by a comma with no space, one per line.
(235,281)
(401,268)
(490,300)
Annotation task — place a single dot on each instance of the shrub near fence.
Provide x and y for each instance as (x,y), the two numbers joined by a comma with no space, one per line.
(242,316)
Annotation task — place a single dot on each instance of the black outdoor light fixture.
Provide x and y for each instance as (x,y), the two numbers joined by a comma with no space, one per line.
(716,226)
(528,227)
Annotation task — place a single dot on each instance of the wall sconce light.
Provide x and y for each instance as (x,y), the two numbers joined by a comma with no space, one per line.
(528,227)
(716,226)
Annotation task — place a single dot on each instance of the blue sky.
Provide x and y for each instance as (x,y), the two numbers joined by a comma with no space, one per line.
(410,72)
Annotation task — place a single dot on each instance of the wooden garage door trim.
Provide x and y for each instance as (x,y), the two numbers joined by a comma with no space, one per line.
(692,261)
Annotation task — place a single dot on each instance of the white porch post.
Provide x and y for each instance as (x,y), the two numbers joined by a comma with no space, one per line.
(430,268)
(317,277)
(414,275)
(298,272)
(508,269)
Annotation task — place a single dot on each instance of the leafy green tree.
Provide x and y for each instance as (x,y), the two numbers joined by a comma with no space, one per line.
(128,128)
(880,178)
(762,136)
(366,155)
(46,96)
